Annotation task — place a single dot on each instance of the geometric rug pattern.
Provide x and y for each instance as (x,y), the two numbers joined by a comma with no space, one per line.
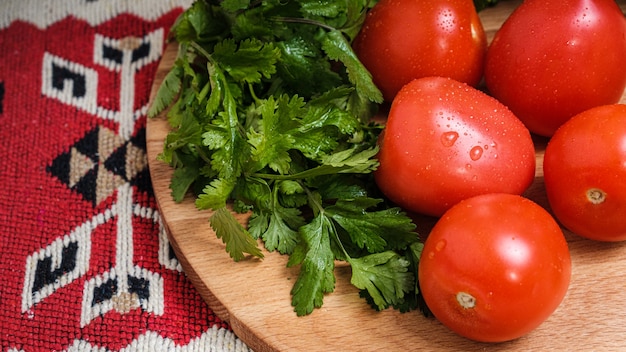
(86,264)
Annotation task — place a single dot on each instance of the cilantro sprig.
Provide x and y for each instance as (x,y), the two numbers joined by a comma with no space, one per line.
(270,111)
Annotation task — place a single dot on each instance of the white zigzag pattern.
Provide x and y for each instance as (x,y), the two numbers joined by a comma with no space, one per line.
(42,13)
(213,340)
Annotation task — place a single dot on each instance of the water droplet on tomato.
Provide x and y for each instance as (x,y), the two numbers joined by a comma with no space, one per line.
(448,138)
(476,152)
(440,245)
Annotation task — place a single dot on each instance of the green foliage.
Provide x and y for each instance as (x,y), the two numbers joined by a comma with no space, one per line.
(269,110)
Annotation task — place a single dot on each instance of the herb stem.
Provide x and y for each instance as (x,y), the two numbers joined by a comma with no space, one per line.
(253,93)
(201,50)
(304,21)
(202,155)
(317,171)
(338,240)
(316,207)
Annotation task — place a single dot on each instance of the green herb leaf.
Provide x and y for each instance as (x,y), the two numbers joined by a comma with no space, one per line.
(272,142)
(373,230)
(317,263)
(235,5)
(247,61)
(384,275)
(167,92)
(279,234)
(326,8)
(338,48)
(238,241)
(201,23)
(182,180)
(215,194)
(302,68)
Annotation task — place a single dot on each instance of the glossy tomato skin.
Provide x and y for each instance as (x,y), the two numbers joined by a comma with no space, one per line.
(401,40)
(552,59)
(585,173)
(494,267)
(445,141)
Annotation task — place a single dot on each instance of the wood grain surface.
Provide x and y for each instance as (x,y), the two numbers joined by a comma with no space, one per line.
(254,295)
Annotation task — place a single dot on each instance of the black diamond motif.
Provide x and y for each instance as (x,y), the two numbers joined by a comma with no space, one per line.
(94,173)
(82,170)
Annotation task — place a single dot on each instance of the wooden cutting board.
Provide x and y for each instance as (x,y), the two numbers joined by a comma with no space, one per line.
(253,296)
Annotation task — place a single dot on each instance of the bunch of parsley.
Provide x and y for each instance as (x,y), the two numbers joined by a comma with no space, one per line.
(270,114)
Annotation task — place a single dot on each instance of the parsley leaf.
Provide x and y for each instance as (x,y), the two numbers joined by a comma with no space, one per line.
(167,91)
(317,263)
(384,275)
(338,48)
(249,61)
(376,231)
(238,241)
(183,178)
(272,142)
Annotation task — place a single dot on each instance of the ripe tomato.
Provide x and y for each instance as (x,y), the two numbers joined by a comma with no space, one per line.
(584,171)
(494,267)
(552,59)
(401,40)
(445,141)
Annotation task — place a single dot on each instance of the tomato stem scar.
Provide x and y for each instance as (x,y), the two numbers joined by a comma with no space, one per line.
(596,196)
(466,300)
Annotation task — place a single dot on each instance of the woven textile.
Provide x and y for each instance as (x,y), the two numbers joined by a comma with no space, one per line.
(85,263)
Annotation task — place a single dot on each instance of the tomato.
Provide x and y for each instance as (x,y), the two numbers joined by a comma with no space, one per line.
(445,141)
(552,59)
(584,171)
(401,40)
(494,267)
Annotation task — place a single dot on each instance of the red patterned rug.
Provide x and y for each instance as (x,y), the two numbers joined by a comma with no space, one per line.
(85,263)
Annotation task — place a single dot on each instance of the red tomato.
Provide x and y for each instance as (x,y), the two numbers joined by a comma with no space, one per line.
(406,39)
(445,141)
(552,59)
(494,267)
(585,173)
